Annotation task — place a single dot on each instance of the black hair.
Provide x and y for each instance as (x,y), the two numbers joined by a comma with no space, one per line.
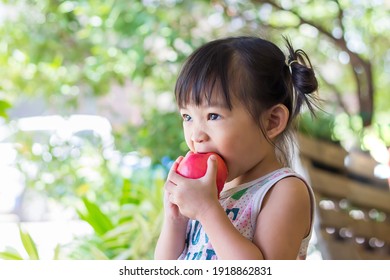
(257,73)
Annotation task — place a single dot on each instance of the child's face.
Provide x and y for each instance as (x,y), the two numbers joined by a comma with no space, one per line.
(231,133)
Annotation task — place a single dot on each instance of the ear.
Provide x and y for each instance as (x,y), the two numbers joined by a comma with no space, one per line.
(276,119)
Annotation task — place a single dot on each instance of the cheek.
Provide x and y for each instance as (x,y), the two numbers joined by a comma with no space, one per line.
(187,137)
(232,150)
(242,151)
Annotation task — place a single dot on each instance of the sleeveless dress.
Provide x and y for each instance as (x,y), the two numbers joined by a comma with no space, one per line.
(242,205)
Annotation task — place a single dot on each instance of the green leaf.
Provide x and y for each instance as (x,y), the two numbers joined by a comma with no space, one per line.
(119,230)
(100,222)
(57,251)
(29,244)
(10,254)
(98,254)
(4,106)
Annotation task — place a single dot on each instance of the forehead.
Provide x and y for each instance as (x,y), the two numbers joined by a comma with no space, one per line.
(214,98)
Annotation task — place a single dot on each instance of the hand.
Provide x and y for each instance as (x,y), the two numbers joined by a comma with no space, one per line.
(193,197)
(171,210)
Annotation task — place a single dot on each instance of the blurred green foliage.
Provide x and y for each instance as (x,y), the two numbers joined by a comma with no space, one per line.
(65,51)
(67,169)
(128,229)
(146,138)
(4,106)
(320,126)
(128,232)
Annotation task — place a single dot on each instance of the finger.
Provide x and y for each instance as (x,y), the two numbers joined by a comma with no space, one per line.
(171,198)
(170,187)
(176,163)
(212,167)
(167,198)
(174,176)
(174,166)
(172,192)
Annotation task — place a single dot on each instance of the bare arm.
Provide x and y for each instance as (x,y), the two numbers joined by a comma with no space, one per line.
(227,241)
(281,225)
(171,241)
(284,220)
(172,237)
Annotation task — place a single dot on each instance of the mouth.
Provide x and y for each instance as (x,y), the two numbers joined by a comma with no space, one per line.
(205,152)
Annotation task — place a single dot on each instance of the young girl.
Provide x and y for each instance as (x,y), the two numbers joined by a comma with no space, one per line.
(239,97)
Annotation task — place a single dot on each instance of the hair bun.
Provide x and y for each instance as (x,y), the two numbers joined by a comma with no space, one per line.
(303,77)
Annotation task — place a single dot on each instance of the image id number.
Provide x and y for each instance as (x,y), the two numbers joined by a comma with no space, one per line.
(232,270)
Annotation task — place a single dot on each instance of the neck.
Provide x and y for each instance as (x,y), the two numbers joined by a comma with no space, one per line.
(258,171)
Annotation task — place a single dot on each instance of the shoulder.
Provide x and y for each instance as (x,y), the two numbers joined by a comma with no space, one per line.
(280,184)
(285,182)
(291,190)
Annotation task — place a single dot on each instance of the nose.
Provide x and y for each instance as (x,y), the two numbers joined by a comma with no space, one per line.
(199,135)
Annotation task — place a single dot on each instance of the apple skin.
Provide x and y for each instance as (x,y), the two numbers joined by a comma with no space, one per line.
(194,166)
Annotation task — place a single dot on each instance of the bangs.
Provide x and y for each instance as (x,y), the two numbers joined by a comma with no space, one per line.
(205,73)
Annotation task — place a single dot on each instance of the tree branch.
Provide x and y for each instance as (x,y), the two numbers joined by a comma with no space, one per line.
(364,81)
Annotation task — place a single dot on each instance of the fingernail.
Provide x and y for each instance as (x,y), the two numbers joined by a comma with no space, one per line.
(212,157)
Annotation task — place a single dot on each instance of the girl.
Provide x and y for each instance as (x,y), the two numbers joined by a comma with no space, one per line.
(238,97)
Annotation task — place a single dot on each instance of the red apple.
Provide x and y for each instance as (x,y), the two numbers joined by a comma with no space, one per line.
(194,166)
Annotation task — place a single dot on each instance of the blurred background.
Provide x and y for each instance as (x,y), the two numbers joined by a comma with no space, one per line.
(88,123)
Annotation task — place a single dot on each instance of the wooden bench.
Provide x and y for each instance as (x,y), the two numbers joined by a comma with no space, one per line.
(352,216)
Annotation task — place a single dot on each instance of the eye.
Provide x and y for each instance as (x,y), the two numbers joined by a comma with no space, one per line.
(186,117)
(213,116)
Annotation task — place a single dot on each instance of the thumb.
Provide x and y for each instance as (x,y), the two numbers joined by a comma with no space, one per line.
(211,173)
